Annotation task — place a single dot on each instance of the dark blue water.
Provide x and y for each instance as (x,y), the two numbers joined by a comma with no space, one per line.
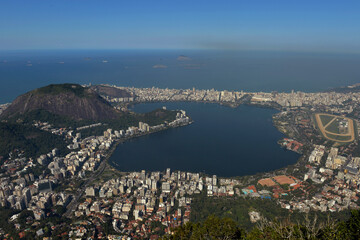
(222,141)
(21,71)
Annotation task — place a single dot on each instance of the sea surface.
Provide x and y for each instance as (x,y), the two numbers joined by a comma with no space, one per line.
(22,71)
(222,140)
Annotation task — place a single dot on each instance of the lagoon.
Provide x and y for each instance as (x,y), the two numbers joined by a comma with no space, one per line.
(222,140)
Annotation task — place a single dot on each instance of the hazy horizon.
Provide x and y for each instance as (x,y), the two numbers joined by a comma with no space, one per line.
(305,26)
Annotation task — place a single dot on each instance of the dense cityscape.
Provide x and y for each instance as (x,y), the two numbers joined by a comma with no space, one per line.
(148,204)
(179,120)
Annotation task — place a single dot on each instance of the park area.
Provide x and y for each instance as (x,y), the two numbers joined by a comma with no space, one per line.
(335,128)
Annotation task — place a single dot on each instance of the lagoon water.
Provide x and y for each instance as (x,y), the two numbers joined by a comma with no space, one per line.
(222,140)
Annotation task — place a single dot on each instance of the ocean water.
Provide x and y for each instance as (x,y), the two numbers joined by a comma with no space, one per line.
(222,140)
(22,71)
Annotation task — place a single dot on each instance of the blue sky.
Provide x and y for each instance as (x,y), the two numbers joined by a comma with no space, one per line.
(321,25)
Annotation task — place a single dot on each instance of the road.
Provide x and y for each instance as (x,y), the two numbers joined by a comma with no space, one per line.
(73,204)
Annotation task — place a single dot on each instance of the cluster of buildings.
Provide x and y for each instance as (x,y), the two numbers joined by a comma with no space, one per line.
(162,95)
(336,179)
(45,126)
(32,193)
(331,183)
(3,107)
(180,119)
(317,154)
(144,204)
(28,184)
(21,189)
(334,193)
(328,101)
(292,144)
(141,204)
(89,126)
(119,99)
(85,155)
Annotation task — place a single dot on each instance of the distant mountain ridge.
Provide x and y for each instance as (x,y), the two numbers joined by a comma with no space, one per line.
(71,100)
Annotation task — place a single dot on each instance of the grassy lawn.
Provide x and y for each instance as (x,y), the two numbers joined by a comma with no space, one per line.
(333,127)
(339,138)
(356,130)
(109,173)
(325,119)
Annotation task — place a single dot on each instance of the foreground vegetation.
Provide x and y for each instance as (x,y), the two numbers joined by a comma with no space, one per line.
(211,228)
(225,228)
(237,209)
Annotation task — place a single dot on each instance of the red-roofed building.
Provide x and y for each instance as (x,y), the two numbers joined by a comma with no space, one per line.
(21,234)
(252,187)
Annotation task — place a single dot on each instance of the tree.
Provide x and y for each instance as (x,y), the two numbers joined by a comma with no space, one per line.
(212,228)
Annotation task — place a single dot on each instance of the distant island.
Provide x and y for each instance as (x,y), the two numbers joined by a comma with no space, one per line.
(183,58)
(159,66)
